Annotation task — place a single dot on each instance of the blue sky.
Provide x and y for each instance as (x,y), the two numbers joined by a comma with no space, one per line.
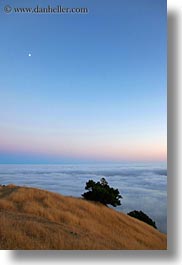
(94,87)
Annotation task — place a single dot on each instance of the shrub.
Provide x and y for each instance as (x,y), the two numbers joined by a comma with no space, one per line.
(102,192)
(142,217)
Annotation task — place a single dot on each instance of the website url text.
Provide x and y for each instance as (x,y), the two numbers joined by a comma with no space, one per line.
(46,10)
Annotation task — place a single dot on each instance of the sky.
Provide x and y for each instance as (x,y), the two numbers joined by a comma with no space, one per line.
(94,87)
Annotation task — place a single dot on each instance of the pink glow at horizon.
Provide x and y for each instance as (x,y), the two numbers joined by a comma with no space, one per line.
(98,148)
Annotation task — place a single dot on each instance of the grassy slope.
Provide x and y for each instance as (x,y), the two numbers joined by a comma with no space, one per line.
(37,219)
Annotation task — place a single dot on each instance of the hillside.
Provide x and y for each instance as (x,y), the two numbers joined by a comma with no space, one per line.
(37,219)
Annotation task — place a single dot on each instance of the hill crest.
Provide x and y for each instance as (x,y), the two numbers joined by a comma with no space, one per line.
(37,219)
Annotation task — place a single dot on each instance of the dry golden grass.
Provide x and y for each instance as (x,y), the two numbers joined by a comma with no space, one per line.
(37,219)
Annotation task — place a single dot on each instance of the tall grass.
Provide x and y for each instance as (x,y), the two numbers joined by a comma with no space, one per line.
(37,219)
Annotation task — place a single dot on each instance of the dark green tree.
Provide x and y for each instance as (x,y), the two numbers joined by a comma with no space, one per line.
(102,192)
(142,217)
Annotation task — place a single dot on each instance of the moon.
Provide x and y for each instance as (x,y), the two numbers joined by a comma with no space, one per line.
(29,55)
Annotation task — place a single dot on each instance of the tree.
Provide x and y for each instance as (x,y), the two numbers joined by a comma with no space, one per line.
(142,217)
(102,192)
